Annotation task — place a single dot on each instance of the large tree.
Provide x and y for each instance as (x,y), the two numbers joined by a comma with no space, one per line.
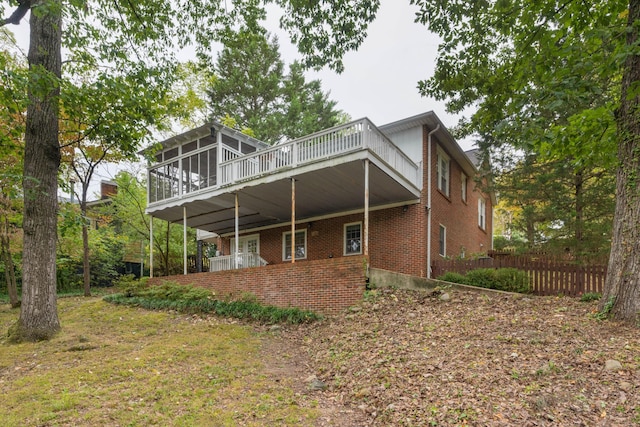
(547,76)
(124,37)
(251,90)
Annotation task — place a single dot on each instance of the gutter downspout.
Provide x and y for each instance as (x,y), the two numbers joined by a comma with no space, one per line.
(429,199)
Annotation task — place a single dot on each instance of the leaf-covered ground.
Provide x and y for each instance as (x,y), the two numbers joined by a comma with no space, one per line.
(398,358)
(482,359)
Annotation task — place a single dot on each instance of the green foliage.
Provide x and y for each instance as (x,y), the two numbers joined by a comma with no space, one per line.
(606,309)
(558,207)
(502,279)
(453,277)
(590,296)
(543,80)
(127,210)
(68,274)
(250,91)
(129,286)
(191,299)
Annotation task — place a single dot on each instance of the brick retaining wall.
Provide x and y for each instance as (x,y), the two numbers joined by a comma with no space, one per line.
(325,286)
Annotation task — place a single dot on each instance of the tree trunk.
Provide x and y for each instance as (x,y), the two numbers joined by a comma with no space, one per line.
(86,268)
(38,315)
(167,271)
(9,268)
(578,182)
(621,297)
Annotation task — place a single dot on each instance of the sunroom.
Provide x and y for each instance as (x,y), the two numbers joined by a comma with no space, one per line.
(219,180)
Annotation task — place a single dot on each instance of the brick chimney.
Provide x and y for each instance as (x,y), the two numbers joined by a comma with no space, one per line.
(108,189)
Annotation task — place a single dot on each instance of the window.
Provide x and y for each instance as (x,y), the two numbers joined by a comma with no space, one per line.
(442,241)
(482,214)
(463,179)
(353,238)
(443,172)
(300,245)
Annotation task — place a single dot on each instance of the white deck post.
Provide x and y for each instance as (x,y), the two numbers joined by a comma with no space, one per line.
(293,220)
(237,233)
(366,207)
(150,246)
(218,157)
(184,239)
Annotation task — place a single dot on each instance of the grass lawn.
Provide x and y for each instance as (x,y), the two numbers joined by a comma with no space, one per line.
(116,365)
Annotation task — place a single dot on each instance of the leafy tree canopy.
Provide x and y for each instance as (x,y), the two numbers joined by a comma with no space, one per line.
(543,76)
(251,90)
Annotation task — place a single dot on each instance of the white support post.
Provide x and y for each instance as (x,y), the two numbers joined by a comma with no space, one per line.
(366,207)
(184,239)
(293,220)
(218,157)
(151,246)
(237,233)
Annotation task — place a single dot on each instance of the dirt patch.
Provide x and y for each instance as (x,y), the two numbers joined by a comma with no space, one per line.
(291,365)
(408,358)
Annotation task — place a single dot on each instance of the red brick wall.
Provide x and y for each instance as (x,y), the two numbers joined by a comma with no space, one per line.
(460,218)
(325,286)
(397,236)
(396,239)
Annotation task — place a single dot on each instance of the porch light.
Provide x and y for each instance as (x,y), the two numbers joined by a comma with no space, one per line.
(213,132)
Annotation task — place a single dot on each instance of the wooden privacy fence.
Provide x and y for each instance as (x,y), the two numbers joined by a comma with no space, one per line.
(549,274)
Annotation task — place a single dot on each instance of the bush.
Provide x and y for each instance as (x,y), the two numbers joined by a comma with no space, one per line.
(502,279)
(453,277)
(590,296)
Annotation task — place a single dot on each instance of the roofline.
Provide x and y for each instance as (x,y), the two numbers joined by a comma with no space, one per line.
(204,130)
(431,121)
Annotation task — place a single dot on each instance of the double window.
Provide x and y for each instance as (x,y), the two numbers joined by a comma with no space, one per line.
(443,172)
(353,238)
(300,244)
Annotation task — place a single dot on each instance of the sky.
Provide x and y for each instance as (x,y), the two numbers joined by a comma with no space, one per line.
(380,79)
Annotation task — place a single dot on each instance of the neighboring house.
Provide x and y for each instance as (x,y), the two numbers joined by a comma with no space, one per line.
(402,194)
(133,257)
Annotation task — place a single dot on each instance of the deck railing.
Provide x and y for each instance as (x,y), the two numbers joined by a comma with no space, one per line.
(233,262)
(340,140)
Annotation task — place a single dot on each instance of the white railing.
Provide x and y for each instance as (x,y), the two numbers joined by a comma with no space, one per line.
(233,262)
(318,146)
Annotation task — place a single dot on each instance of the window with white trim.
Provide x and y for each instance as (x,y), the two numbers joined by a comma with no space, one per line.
(353,238)
(443,171)
(482,213)
(442,241)
(300,245)
(463,188)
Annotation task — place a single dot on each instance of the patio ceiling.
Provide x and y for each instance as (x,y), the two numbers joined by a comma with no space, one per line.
(329,187)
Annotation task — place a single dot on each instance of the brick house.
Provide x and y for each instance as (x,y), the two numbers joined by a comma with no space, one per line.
(393,197)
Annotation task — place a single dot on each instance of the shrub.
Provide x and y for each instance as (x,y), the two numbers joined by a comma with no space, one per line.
(513,280)
(130,286)
(191,299)
(590,296)
(502,279)
(453,277)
